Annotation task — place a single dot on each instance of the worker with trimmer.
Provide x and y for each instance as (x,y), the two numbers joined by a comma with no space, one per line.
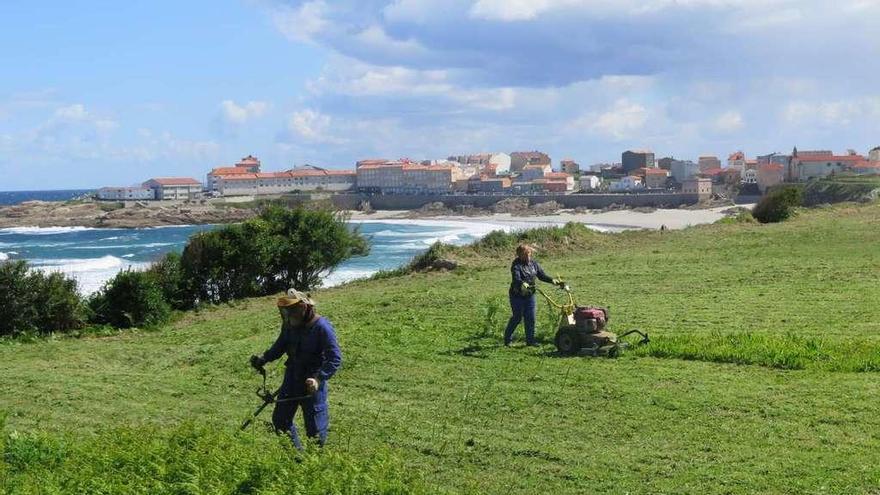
(313,356)
(525,273)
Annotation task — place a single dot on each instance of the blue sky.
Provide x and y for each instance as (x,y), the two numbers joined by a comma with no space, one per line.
(111,93)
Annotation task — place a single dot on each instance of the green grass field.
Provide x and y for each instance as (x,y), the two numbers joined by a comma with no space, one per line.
(762,377)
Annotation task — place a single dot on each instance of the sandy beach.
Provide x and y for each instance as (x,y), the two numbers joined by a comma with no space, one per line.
(609,220)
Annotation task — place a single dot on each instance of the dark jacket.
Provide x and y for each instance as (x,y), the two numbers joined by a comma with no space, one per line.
(525,272)
(312,352)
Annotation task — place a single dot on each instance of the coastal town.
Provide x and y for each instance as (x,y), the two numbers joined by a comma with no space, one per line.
(516,173)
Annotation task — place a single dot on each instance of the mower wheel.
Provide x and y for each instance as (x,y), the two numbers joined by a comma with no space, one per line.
(614,351)
(568,340)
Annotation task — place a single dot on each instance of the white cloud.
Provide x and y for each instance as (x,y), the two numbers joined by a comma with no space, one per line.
(235,114)
(311,126)
(832,113)
(729,122)
(301,24)
(620,122)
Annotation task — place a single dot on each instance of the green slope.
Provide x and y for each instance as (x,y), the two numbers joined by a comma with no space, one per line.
(425,376)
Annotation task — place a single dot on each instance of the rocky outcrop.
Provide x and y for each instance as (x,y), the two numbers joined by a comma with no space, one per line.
(117,215)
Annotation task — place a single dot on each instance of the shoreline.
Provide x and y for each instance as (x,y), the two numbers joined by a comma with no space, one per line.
(611,221)
(47,214)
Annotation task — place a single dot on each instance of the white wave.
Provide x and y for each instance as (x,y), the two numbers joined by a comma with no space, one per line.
(129,255)
(344,275)
(43,230)
(122,246)
(90,273)
(4,256)
(114,238)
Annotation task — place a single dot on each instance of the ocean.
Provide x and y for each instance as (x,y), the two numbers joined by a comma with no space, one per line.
(15,197)
(92,256)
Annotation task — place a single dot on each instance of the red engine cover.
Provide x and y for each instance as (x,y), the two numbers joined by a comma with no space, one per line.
(585,313)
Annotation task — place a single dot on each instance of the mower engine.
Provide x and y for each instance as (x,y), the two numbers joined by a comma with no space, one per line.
(584,331)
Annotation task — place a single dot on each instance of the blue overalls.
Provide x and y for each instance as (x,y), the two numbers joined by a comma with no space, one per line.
(523,306)
(312,352)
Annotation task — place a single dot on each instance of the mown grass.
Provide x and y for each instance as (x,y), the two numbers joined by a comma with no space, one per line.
(760,378)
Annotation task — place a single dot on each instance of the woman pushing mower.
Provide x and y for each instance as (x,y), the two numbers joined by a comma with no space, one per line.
(523,303)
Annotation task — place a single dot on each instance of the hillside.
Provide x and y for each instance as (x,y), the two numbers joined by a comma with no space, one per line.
(762,375)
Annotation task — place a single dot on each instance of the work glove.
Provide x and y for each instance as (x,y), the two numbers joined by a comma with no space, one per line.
(311,385)
(559,282)
(257,362)
(525,289)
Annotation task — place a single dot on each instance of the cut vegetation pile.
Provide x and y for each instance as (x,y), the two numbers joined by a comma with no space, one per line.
(762,377)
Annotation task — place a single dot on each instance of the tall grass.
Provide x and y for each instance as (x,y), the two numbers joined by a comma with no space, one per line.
(188,459)
(783,351)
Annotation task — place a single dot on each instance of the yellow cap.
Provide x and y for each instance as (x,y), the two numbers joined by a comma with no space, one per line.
(293,298)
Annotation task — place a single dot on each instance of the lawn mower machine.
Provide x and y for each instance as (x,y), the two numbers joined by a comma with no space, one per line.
(581,329)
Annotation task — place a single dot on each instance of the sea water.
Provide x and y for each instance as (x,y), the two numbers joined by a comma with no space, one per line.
(92,256)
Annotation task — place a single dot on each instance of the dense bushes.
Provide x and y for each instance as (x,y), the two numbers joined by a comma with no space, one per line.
(188,459)
(778,205)
(130,299)
(282,248)
(33,301)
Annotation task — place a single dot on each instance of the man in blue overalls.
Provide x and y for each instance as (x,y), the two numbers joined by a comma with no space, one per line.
(313,356)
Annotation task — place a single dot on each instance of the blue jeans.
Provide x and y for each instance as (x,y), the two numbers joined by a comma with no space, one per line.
(521,307)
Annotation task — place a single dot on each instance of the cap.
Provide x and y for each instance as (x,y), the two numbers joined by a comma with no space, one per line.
(294,297)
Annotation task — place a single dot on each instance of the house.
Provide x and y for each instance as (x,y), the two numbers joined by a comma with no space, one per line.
(533,172)
(126,193)
(628,183)
(558,182)
(750,176)
(177,188)
(698,185)
(737,161)
(520,159)
(499,163)
(653,178)
(874,154)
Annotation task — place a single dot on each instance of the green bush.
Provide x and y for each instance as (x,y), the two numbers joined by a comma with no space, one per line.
(308,243)
(130,299)
(778,205)
(35,302)
(191,460)
(168,275)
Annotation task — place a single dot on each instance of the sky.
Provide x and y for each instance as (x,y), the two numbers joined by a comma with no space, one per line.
(97,93)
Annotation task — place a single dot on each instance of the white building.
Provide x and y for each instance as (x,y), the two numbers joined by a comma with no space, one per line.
(750,176)
(133,193)
(305,179)
(534,172)
(874,154)
(407,178)
(589,182)
(737,161)
(177,188)
(628,183)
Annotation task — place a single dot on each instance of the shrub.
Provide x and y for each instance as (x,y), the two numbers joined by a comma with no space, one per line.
(33,301)
(130,299)
(168,275)
(778,205)
(227,264)
(307,244)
